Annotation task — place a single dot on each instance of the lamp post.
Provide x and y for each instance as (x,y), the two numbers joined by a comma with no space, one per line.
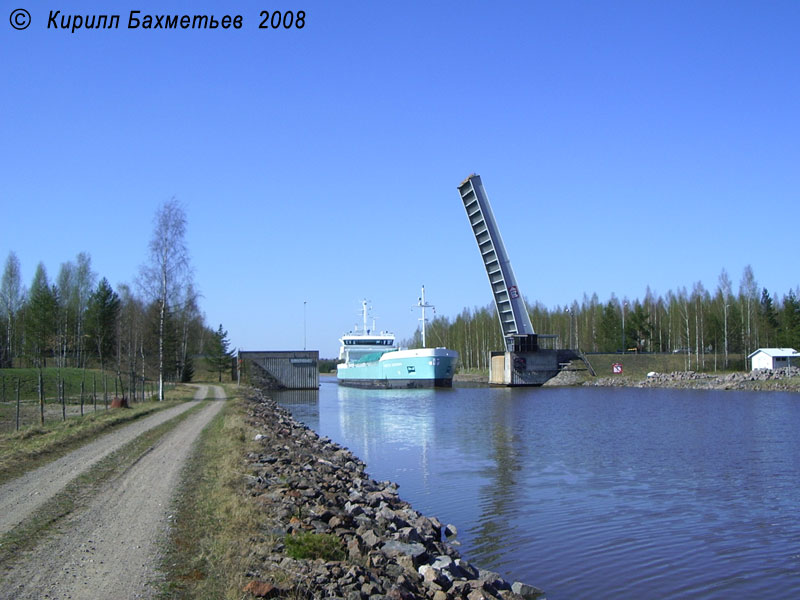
(624,304)
(304,324)
(569,324)
(726,335)
(569,314)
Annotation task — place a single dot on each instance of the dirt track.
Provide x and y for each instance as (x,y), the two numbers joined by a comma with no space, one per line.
(109,549)
(21,496)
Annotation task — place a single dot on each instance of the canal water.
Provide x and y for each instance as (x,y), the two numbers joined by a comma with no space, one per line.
(591,492)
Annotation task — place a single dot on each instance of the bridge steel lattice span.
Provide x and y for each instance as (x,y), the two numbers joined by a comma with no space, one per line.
(523,362)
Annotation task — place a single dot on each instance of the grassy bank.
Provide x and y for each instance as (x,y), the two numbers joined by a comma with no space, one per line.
(31,447)
(637,366)
(634,366)
(206,557)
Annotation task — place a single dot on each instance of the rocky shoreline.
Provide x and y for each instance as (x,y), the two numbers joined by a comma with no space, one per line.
(786,379)
(310,488)
(758,380)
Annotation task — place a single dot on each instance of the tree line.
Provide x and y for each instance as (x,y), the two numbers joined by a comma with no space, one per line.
(707,326)
(146,330)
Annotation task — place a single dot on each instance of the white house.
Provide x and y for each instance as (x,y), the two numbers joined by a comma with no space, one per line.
(774,358)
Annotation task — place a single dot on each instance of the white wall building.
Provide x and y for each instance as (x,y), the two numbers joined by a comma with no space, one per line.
(774,358)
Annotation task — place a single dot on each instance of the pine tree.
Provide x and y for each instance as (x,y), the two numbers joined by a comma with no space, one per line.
(218,355)
(187,372)
(610,327)
(769,320)
(101,319)
(789,336)
(639,330)
(41,318)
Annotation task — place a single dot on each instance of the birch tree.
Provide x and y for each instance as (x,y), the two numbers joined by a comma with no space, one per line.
(12,297)
(683,309)
(699,297)
(65,286)
(190,323)
(84,282)
(748,295)
(168,269)
(725,292)
(131,331)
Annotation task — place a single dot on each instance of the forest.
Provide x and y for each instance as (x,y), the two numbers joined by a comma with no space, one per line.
(147,330)
(153,328)
(713,329)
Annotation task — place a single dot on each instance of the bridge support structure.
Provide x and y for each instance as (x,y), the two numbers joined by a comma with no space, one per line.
(281,370)
(523,363)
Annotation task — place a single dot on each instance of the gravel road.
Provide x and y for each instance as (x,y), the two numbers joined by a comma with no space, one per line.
(110,549)
(21,496)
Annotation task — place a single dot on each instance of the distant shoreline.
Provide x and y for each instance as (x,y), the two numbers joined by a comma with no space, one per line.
(783,380)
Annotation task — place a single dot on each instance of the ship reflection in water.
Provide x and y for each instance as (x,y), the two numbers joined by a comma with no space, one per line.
(647,493)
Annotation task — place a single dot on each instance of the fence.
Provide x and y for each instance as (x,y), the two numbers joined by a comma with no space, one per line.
(65,401)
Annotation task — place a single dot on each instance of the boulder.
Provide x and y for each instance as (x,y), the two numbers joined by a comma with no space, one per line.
(528,592)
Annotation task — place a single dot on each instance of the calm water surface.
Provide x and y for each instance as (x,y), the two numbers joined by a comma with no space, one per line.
(592,493)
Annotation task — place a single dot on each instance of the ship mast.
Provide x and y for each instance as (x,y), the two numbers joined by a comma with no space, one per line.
(423,305)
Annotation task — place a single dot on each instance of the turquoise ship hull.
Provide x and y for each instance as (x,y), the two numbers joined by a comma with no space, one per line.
(420,368)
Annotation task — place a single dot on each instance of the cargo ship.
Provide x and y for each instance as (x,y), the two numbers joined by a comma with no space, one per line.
(372,360)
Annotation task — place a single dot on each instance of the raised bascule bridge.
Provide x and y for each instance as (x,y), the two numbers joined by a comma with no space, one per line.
(524,362)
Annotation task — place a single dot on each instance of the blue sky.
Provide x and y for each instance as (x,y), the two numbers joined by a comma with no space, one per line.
(622,144)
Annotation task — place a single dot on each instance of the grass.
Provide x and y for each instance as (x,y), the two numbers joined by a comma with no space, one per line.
(32,447)
(81,489)
(314,545)
(217,524)
(28,381)
(72,377)
(634,366)
(637,366)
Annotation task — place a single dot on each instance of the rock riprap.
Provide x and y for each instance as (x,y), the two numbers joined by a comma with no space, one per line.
(694,380)
(310,488)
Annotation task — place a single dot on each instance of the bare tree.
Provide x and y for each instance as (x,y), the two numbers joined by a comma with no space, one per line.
(724,289)
(748,295)
(168,269)
(683,309)
(130,330)
(12,298)
(65,285)
(698,294)
(84,282)
(190,320)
